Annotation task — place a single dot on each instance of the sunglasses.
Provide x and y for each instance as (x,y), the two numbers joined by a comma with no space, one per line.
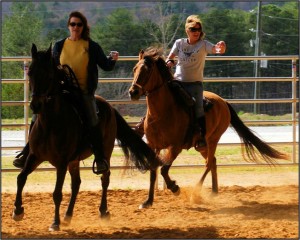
(73,24)
(192,29)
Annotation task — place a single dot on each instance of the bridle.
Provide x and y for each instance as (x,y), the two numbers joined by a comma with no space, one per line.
(144,92)
(48,95)
(43,96)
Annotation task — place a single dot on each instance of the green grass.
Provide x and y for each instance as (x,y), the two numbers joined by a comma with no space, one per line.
(265,117)
(242,115)
(225,155)
(45,181)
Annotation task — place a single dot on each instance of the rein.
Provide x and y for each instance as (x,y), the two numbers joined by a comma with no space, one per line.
(69,78)
(46,96)
(147,93)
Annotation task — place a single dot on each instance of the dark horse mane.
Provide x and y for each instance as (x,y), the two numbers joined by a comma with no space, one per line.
(183,98)
(63,77)
(156,54)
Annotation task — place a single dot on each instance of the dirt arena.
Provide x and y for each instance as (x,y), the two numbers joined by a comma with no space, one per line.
(245,208)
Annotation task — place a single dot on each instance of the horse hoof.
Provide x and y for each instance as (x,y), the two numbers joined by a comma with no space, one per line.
(145,205)
(213,194)
(54,227)
(105,216)
(176,190)
(18,217)
(67,220)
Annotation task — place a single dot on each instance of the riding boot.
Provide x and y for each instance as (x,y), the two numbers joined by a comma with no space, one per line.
(202,128)
(139,128)
(97,147)
(20,159)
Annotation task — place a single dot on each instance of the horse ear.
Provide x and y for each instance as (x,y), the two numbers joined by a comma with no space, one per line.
(33,51)
(141,54)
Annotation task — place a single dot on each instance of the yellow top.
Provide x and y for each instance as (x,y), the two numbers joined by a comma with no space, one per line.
(76,55)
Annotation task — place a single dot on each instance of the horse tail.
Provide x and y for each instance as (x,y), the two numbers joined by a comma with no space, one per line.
(134,148)
(247,136)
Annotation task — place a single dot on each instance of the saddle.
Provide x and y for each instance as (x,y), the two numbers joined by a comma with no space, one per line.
(187,102)
(184,99)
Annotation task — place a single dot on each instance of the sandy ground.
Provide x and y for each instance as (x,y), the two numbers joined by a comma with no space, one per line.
(260,205)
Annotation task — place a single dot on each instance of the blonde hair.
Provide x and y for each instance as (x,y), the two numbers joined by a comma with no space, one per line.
(192,21)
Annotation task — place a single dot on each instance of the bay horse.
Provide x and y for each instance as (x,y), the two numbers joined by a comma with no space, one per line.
(167,123)
(58,136)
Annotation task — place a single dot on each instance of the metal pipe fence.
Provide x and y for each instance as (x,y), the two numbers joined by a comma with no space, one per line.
(293,100)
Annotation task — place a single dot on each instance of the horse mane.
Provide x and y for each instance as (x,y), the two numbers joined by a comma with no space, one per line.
(62,77)
(156,54)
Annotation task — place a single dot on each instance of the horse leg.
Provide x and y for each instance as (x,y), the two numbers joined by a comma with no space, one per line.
(105,178)
(57,196)
(170,156)
(148,203)
(75,185)
(214,176)
(29,167)
(210,165)
(170,183)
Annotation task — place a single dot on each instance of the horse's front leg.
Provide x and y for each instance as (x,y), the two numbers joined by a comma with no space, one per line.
(170,183)
(57,195)
(105,178)
(148,203)
(75,185)
(29,167)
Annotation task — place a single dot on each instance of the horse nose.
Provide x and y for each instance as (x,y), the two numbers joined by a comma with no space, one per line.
(134,94)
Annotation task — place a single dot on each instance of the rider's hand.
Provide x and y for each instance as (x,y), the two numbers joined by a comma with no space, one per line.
(170,63)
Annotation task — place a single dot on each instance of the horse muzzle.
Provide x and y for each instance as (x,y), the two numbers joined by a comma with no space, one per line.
(134,93)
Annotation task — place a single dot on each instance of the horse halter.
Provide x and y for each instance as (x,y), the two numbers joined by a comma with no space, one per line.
(45,95)
(139,86)
(48,95)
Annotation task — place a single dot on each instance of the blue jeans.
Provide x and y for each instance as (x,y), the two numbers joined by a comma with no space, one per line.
(195,89)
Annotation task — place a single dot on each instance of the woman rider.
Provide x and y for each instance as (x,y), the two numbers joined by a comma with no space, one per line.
(82,55)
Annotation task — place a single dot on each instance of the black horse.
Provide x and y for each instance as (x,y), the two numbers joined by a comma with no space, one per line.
(58,136)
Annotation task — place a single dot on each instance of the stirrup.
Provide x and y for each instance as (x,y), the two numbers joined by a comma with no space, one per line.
(200,144)
(100,171)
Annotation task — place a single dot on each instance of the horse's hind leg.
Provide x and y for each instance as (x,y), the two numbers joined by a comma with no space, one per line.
(75,185)
(210,165)
(170,183)
(169,158)
(105,179)
(214,176)
(57,196)
(29,167)
(148,203)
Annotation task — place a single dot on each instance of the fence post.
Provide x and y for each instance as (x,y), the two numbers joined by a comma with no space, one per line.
(26,98)
(294,107)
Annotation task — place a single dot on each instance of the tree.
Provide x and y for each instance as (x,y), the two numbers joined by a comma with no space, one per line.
(164,25)
(122,32)
(54,24)
(20,30)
